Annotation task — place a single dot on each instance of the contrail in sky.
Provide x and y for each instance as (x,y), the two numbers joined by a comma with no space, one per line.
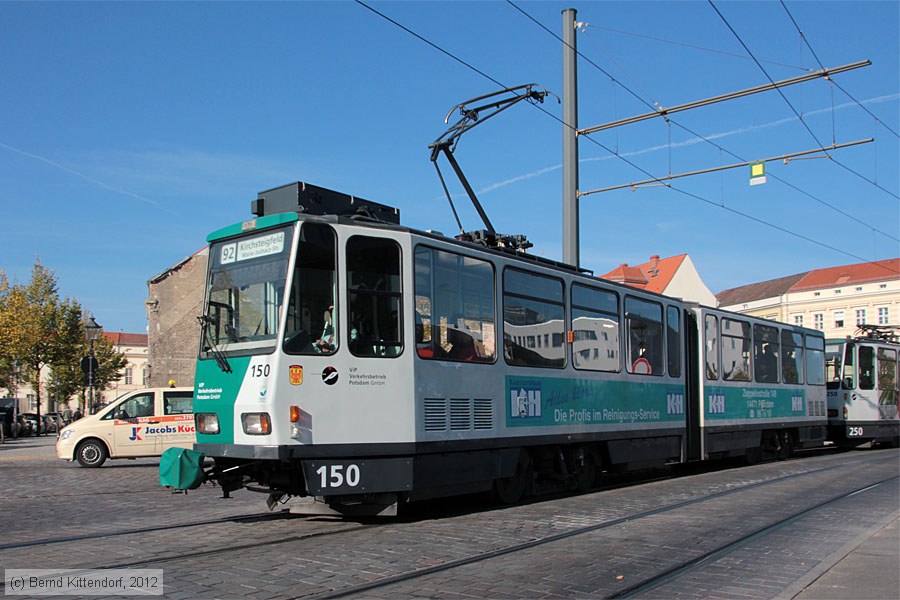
(82,175)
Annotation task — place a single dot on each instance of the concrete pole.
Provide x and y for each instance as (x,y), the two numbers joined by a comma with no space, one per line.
(570,140)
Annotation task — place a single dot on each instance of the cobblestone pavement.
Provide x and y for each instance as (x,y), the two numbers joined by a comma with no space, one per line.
(246,554)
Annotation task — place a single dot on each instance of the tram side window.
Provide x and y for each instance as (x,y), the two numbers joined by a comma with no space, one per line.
(866,368)
(765,353)
(711,327)
(644,324)
(791,356)
(374,294)
(848,381)
(595,329)
(455,300)
(311,327)
(735,350)
(887,379)
(533,308)
(673,341)
(815,360)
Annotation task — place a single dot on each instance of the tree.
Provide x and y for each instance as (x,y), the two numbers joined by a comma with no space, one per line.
(41,330)
(28,319)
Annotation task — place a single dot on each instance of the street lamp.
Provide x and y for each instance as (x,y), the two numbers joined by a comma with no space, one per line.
(17,372)
(89,363)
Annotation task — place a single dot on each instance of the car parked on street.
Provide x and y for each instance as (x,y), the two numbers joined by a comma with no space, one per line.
(137,424)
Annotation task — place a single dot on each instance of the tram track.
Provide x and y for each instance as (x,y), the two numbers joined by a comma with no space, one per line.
(140,530)
(687,566)
(425,571)
(640,586)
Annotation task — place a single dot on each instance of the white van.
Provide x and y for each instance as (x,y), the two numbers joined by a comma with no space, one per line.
(141,423)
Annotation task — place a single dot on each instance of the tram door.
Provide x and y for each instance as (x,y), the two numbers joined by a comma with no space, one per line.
(692,393)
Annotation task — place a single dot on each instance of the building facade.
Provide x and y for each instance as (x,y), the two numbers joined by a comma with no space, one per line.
(134,376)
(174,301)
(836,300)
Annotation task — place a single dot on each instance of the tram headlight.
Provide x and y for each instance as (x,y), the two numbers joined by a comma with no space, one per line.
(256,423)
(207,423)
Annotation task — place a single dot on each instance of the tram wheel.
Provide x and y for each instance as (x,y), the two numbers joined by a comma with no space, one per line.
(91,453)
(510,490)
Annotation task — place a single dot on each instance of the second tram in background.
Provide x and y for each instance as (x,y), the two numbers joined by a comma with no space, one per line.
(351,360)
(863,387)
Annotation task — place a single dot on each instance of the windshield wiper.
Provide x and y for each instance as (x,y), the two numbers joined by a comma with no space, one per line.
(205,322)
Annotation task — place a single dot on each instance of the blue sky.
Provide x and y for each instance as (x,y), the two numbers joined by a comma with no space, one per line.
(129,131)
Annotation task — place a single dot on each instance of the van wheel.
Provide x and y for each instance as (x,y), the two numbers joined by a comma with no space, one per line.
(91,453)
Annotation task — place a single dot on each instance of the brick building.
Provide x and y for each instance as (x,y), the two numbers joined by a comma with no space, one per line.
(174,301)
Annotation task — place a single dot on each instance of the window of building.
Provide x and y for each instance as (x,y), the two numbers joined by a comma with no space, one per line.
(837,291)
(595,329)
(882,286)
(765,353)
(817,293)
(819,321)
(860,317)
(883,316)
(838,319)
(712,347)
(455,301)
(798,320)
(736,345)
(129,376)
(374,294)
(533,305)
(644,326)
(859,289)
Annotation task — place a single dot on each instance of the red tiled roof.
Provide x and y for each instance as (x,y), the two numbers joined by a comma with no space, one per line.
(126,339)
(758,291)
(653,276)
(879,270)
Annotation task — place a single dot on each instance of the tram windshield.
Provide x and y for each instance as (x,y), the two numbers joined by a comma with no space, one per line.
(245,292)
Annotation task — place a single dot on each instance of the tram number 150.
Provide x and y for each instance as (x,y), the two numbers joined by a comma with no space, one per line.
(337,476)
(360,476)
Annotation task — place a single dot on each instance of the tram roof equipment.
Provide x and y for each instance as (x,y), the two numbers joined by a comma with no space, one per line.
(311,199)
(884,333)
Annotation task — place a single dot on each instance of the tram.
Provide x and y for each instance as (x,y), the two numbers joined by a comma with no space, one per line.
(360,364)
(863,388)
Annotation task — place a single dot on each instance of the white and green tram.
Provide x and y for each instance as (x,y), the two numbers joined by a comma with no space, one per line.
(362,364)
(863,388)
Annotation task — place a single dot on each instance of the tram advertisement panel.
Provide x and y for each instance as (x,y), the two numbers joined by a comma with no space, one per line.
(545,401)
(753,403)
